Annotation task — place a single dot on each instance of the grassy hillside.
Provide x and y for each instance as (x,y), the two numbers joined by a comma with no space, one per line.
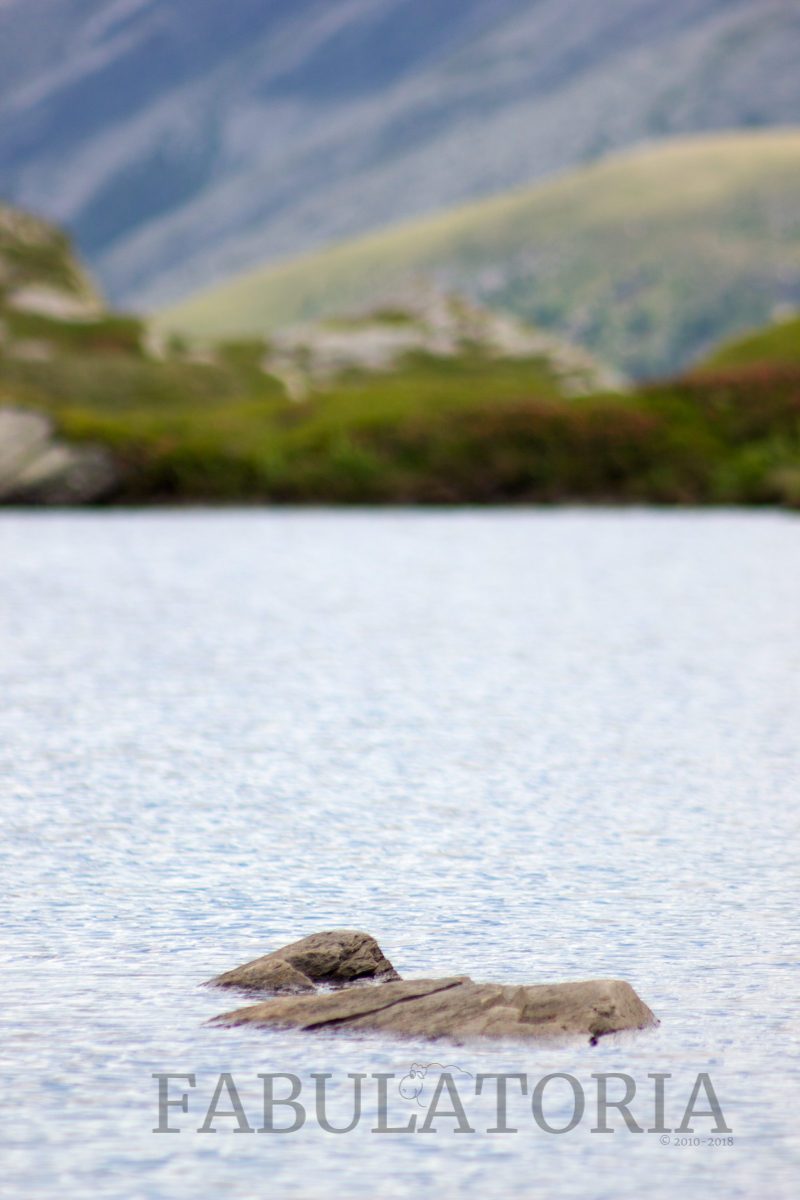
(647,258)
(228,432)
(467,429)
(48,302)
(778,343)
(466,408)
(39,274)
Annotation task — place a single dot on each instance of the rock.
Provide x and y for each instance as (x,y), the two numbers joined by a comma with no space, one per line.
(23,436)
(426,320)
(56,303)
(268,974)
(37,469)
(457,1008)
(338,956)
(453,1008)
(333,1008)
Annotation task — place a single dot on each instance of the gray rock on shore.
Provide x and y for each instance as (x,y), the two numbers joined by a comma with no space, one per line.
(337,956)
(35,468)
(457,1008)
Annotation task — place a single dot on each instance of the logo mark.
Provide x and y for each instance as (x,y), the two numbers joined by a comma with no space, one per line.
(414,1085)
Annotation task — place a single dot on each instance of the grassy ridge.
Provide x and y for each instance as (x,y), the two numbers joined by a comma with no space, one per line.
(648,258)
(468,429)
(779,343)
(34,252)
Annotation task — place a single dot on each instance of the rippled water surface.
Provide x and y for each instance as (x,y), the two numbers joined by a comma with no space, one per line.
(523,745)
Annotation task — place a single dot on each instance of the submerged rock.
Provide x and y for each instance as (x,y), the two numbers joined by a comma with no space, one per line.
(35,468)
(338,956)
(457,1008)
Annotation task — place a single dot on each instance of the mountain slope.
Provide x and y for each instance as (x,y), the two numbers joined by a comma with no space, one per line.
(439,401)
(647,258)
(183,140)
(778,344)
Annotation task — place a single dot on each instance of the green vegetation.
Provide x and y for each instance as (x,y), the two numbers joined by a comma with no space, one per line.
(33,252)
(106,335)
(460,430)
(227,431)
(468,424)
(647,258)
(778,343)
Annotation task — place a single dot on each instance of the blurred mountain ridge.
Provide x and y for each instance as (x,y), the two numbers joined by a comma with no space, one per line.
(183,140)
(647,257)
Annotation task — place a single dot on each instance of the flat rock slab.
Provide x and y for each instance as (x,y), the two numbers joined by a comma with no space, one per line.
(458,1008)
(337,956)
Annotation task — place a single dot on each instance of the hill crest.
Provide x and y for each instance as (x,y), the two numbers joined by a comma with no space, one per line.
(182,140)
(647,258)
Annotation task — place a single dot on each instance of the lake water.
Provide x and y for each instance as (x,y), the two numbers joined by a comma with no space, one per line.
(528,746)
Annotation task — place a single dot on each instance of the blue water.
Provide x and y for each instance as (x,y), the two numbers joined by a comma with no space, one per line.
(522,745)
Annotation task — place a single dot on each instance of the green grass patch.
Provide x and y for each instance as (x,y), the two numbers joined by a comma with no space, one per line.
(468,429)
(109,335)
(778,343)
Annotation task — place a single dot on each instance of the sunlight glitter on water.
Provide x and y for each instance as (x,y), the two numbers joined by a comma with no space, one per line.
(522,745)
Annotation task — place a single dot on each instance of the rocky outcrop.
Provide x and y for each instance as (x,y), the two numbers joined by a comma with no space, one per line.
(454,1008)
(39,273)
(337,957)
(35,468)
(457,1009)
(425,319)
